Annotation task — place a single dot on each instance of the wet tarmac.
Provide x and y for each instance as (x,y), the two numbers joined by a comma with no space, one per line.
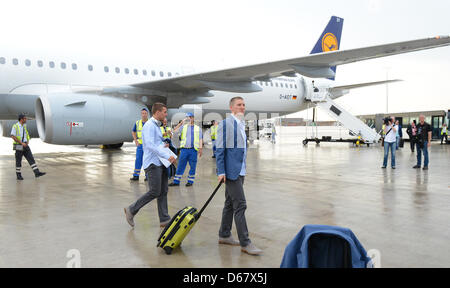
(403,213)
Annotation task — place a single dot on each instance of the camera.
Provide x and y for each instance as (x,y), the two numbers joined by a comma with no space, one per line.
(387,121)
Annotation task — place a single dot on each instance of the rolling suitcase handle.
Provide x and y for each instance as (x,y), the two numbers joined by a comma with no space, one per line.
(209,200)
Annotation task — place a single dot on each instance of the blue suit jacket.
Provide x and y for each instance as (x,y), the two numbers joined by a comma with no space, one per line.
(296,252)
(230,148)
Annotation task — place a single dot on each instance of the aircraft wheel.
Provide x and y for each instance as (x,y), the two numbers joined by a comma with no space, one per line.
(112,146)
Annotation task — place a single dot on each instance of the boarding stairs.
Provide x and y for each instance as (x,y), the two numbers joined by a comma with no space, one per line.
(323,100)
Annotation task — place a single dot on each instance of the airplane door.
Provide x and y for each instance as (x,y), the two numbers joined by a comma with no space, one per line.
(436,125)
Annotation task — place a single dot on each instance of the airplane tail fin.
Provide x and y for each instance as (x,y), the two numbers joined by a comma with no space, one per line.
(330,40)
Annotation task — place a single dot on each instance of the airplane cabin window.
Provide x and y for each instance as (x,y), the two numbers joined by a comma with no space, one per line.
(2,60)
(27,62)
(153,73)
(295,86)
(63,65)
(40,63)
(15,61)
(106,69)
(74,66)
(169,74)
(144,72)
(276,84)
(136,72)
(127,71)
(90,67)
(161,74)
(291,86)
(271,84)
(281,85)
(117,70)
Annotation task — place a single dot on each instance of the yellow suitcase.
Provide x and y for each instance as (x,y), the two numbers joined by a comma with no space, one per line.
(180,225)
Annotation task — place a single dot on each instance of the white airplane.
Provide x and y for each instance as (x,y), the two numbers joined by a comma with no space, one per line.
(76,101)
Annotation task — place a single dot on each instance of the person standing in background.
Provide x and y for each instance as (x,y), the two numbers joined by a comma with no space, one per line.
(390,131)
(444,133)
(412,133)
(423,142)
(191,145)
(399,134)
(214,135)
(137,136)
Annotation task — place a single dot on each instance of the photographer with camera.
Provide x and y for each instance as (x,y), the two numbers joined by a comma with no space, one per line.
(390,140)
(423,142)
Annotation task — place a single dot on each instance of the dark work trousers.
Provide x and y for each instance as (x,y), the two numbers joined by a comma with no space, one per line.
(235,205)
(412,144)
(29,156)
(158,183)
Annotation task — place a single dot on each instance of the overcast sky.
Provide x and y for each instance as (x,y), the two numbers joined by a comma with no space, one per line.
(219,34)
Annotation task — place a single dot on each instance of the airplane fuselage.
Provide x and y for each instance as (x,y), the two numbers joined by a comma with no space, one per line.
(44,75)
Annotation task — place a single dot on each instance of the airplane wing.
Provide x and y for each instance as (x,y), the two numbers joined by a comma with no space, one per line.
(339,91)
(241,79)
(361,85)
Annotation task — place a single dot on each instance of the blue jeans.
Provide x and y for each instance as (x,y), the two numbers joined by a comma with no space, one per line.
(388,145)
(425,154)
(397,142)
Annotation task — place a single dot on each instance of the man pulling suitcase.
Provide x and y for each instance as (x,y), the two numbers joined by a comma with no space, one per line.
(153,144)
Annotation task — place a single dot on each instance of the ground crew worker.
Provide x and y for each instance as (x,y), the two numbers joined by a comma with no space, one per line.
(191,144)
(214,135)
(166,131)
(274,133)
(137,136)
(19,134)
(444,133)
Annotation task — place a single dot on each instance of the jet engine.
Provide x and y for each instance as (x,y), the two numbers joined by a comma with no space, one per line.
(82,119)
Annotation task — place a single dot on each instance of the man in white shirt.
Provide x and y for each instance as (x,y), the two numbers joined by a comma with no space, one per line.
(153,146)
(19,134)
(390,140)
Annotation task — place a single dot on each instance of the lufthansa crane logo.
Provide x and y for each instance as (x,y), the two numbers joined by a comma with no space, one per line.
(329,42)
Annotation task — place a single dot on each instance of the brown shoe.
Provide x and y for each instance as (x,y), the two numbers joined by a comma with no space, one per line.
(129,216)
(229,241)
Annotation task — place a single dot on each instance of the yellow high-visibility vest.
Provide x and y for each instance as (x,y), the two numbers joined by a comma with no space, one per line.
(139,126)
(19,137)
(196,136)
(213,132)
(444,130)
(167,129)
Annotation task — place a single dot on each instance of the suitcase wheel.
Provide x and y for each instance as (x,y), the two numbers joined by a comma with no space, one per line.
(168,250)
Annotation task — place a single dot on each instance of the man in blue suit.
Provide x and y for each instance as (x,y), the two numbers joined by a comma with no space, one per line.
(231,153)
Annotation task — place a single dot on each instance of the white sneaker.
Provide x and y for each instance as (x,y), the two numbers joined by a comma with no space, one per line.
(229,241)
(251,249)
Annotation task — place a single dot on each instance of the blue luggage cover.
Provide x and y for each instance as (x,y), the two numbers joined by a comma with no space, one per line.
(296,252)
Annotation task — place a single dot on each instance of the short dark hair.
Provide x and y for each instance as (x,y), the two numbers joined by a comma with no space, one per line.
(21,116)
(234,99)
(158,107)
